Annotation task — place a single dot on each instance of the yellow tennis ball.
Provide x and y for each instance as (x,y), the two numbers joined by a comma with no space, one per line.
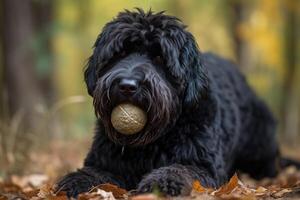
(128,119)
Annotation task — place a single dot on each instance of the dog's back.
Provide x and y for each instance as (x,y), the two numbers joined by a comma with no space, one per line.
(255,148)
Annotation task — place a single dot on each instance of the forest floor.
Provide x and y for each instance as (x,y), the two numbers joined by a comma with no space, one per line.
(46,166)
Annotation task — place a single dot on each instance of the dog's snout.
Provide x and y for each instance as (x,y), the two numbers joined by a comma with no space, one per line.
(128,86)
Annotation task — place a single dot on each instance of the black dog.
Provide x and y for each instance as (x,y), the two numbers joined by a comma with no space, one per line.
(204,122)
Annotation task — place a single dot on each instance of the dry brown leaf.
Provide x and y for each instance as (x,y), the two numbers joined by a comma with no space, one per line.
(281,193)
(116,191)
(261,191)
(13,196)
(105,195)
(246,191)
(144,197)
(97,194)
(205,196)
(3,197)
(45,191)
(91,196)
(234,196)
(88,196)
(229,187)
(34,180)
(51,197)
(9,188)
(248,197)
(291,181)
(198,187)
(57,198)
(31,193)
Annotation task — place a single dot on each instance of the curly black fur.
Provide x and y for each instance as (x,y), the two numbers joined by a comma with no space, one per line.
(204,122)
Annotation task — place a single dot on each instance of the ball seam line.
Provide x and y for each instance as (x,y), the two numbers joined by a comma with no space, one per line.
(129,115)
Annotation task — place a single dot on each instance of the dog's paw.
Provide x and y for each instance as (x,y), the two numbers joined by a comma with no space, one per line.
(170,185)
(74,184)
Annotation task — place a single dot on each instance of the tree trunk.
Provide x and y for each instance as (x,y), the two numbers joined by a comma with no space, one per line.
(290,96)
(1,58)
(20,80)
(43,18)
(24,88)
(241,49)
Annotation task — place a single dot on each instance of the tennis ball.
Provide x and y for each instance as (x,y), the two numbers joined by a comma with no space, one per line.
(128,119)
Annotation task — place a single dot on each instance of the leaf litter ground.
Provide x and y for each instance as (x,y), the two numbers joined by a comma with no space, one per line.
(37,186)
(240,187)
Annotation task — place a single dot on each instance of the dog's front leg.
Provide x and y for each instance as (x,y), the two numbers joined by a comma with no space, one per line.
(175,180)
(83,180)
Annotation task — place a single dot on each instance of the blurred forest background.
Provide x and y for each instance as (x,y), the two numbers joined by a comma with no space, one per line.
(44,45)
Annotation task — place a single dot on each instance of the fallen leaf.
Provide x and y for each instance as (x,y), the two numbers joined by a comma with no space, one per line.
(31,193)
(260,191)
(2,197)
(144,197)
(229,187)
(281,193)
(9,188)
(116,191)
(105,195)
(233,196)
(45,191)
(33,180)
(198,187)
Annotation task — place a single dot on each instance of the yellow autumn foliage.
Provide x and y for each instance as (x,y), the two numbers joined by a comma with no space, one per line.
(261,29)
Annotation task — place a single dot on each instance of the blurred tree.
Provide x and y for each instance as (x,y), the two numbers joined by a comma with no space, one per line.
(24,84)
(24,87)
(290,110)
(19,76)
(237,15)
(43,51)
(1,55)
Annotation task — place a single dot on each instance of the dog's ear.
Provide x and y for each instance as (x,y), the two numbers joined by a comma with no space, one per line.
(90,75)
(197,81)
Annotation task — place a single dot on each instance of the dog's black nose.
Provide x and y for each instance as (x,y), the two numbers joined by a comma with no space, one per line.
(128,86)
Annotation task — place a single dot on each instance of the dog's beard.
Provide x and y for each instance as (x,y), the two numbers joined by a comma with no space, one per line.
(155,97)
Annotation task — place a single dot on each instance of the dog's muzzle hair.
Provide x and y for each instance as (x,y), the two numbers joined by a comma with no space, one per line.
(135,79)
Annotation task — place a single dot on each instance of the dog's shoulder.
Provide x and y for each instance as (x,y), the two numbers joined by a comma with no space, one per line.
(224,74)
(218,65)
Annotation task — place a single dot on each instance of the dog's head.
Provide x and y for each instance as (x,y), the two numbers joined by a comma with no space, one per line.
(149,60)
